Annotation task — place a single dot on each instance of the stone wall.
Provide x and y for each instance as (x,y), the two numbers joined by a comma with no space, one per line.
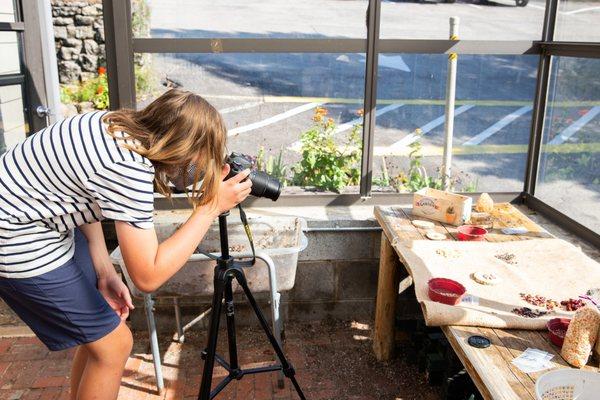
(79,38)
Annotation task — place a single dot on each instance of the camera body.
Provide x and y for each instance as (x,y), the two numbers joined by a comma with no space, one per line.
(263,184)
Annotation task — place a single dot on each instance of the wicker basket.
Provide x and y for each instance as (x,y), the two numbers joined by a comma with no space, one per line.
(568,384)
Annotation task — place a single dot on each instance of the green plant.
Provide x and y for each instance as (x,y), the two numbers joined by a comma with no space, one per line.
(325,164)
(93,90)
(416,178)
(140,18)
(144,80)
(471,186)
(273,166)
(383,179)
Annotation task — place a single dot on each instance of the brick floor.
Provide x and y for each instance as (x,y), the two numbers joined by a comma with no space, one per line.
(333,361)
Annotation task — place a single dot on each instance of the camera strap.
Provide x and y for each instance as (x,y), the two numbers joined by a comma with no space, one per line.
(244,220)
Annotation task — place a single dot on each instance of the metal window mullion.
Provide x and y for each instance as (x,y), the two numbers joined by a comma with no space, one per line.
(370,100)
(119,53)
(540,101)
(447,46)
(572,49)
(336,45)
(247,45)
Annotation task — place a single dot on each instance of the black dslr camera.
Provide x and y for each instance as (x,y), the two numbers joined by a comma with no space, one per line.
(263,184)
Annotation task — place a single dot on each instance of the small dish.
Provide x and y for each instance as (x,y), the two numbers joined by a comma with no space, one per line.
(446,291)
(557,329)
(471,233)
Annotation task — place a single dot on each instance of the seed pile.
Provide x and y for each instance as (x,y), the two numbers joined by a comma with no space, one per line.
(540,301)
(528,312)
(550,304)
(448,253)
(446,293)
(572,304)
(508,258)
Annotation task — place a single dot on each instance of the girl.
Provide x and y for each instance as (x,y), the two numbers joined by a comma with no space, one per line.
(56,186)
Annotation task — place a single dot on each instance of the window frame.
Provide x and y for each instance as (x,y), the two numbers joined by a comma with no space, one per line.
(121,46)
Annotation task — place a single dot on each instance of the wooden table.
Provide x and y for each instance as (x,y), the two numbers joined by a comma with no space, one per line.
(490,369)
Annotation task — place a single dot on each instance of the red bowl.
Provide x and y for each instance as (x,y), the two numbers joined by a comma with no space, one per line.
(446,291)
(557,329)
(471,232)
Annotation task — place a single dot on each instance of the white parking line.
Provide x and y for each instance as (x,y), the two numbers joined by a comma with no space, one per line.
(475,140)
(297,145)
(378,112)
(411,138)
(244,106)
(581,10)
(273,119)
(475,6)
(575,126)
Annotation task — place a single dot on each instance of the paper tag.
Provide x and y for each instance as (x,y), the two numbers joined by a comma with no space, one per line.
(533,360)
(470,300)
(519,230)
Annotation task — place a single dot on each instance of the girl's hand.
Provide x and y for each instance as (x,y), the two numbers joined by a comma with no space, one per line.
(232,191)
(116,294)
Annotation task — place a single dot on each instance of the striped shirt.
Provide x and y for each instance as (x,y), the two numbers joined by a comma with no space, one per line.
(69,174)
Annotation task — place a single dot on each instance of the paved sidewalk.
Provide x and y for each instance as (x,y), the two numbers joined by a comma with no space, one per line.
(333,361)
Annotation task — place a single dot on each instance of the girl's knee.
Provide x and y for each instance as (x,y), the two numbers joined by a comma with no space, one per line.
(114,347)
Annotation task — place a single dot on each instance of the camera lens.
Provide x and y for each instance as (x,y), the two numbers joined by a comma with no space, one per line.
(264,185)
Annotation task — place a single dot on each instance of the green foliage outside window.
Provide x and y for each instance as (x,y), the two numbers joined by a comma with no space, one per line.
(325,164)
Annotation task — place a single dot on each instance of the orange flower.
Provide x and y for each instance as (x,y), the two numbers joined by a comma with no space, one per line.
(322,111)
(330,121)
(317,118)
(101,70)
(100,90)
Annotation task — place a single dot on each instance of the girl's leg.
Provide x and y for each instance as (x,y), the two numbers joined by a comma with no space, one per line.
(106,360)
(79,363)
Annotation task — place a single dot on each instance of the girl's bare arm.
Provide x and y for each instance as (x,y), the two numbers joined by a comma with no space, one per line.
(151,264)
(98,251)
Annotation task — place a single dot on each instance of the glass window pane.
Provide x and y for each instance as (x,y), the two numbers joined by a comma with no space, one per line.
(9,48)
(494,97)
(479,20)
(249,18)
(269,100)
(12,118)
(577,21)
(569,177)
(7,11)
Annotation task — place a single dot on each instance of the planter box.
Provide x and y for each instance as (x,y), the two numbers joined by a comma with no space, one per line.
(449,208)
(282,238)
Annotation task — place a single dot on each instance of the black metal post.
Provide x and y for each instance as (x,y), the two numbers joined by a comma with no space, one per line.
(119,53)
(370,101)
(540,100)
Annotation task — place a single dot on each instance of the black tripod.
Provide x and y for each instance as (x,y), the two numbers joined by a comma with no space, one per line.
(225,271)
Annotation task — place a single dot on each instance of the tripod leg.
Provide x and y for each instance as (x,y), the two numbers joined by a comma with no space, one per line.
(213,332)
(288,370)
(230,314)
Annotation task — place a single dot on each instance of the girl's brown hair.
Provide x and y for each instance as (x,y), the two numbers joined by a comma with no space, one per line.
(175,130)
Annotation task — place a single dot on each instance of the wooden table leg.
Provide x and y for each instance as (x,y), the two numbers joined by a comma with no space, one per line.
(387,292)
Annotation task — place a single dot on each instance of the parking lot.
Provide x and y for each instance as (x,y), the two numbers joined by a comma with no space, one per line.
(268,99)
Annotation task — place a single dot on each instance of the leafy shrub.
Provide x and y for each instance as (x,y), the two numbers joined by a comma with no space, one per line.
(417,177)
(273,166)
(325,164)
(93,90)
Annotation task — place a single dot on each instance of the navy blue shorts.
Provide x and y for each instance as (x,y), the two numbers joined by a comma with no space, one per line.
(63,307)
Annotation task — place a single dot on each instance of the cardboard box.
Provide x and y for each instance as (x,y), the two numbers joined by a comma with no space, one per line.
(450,208)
